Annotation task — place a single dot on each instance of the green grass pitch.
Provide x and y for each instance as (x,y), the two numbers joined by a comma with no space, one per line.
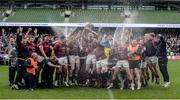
(152,92)
(97,16)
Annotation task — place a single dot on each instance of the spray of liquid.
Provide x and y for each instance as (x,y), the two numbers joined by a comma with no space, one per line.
(120,35)
(57,30)
(65,30)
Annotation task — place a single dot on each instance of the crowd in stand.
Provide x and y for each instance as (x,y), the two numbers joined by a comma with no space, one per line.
(84,58)
(173,44)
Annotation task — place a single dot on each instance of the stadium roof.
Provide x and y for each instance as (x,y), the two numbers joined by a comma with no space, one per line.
(85,0)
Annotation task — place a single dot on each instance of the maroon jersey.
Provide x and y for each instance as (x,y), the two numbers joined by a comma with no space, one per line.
(32,47)
(46,48)
(99,52)
(74,49)
(90,46)
(120,53)
(59,50)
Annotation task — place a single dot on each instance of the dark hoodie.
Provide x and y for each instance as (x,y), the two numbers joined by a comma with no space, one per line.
(161,49)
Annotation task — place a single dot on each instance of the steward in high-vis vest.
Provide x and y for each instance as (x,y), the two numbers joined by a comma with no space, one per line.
(32,73)
(134,61)
(34,64)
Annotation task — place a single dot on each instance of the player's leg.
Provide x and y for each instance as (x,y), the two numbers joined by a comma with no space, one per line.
(138,77)
(77,68)
(154,63)
(115,70)
(72,68)
(126,66)
(164,71)
(65,75)
(114,75)
(98,74)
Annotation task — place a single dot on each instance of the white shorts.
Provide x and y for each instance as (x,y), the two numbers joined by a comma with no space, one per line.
(62,60)
(102,63)
(91,59)
(74,59)
(122,63)
(152,60)
(143,64)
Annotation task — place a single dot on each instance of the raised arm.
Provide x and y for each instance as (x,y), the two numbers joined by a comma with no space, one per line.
(42,50)
(52,49)
(27,33)
(4,37)
(37,36)
(18,38)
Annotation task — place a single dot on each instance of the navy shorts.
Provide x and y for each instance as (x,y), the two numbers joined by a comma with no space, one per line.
(134,64)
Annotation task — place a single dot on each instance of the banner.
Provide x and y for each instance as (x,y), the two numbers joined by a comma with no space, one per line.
(95,25)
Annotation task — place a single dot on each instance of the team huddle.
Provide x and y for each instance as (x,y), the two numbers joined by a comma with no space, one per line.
(46,61)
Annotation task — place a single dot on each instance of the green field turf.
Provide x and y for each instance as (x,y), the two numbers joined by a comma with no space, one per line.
(152,92)
(98,16)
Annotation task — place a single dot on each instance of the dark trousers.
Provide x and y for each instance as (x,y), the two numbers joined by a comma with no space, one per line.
(162,62)
(29,79)
(82,72)
(20,71)
(31,82)
(12,73)
(23,74)
(47,76)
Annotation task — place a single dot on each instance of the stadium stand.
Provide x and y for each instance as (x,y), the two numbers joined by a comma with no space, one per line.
(159,4)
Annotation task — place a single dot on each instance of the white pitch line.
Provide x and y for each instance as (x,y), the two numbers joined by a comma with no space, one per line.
(111,94)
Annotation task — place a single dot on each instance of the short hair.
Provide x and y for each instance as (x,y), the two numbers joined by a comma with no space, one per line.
(46,35)
(62,37)
(152,34)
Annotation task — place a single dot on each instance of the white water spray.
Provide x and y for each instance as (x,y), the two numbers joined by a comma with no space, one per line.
(120,34)
(65,30)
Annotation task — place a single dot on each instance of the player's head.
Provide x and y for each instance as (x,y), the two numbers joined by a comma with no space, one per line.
(47,37)
(31,39)
(24,40)
(105,36)
(56,38)
(53,57)
(34,55)
(110,37)
(141,42)
(148,36)
(134,42)
(158,37)
(63,39)
(90,36)
(12,40)
(152,35)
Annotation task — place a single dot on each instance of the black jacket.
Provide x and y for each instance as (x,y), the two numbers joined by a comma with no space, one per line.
(161,50)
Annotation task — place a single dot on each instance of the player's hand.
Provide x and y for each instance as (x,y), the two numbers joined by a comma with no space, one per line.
(35,30)
(11,39)
(17,30)
(58,66)
(20,29)
(29,29)
(51,47)
(3,30)
(68,49)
